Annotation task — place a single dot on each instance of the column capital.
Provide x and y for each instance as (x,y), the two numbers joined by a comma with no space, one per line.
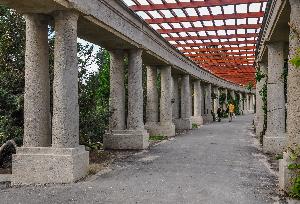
(66,15)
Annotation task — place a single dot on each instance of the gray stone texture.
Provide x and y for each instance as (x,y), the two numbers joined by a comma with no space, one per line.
(152,101)
(37,118)
(259,117)
(135,90)
(166,103)
(43,165)
(275,134)
(293,95)
(197,116)
(176,98)
(185,97)
(208,104)
(126,140)
(216,100)
(293,82)
(241,105)
(65,123)
(117,90)
(152,96)
(185,121)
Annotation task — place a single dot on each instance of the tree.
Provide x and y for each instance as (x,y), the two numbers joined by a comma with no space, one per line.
(12,52)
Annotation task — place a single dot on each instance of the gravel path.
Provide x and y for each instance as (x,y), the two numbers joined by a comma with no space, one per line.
(218,163)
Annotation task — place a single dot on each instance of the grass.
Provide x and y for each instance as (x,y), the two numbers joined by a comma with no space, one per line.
(194,126)
(279,156)
(157,138)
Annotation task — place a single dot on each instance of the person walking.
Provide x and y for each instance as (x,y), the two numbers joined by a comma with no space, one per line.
(231,110)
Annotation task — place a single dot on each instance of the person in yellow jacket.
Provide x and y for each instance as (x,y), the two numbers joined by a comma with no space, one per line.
(231,111)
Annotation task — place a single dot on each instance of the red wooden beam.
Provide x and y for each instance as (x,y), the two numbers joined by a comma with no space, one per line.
(193,4)
(219,49)
(249,35)
(221,54)
(216,43)
(205,18)
(209,28)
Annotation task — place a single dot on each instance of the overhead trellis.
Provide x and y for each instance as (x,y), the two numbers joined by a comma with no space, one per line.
(218,35)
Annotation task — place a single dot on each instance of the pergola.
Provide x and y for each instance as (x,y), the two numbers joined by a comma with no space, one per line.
(218,35)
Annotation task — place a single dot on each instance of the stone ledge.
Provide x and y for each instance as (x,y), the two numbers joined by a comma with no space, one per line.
(162,129)
(126,140)
(44,165)
(183,124)
(198,120)
(273,143)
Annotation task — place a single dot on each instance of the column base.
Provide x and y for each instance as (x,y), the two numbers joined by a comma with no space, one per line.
(198,120)
(43,165)
(126,140)
(274,144)
(183,124)
(207,119)
(162,129)
(285,175)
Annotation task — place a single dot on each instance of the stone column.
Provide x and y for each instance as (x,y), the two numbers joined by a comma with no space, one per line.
(176,98)
(65,127)
(293,95)
(37,118)
(251,103)
(241,105)
(208,104)
(259,102)
(216,100)
(247,103)
(197,118)
(117,90)
(135,90)
(135,136)
(226,99)
(232,94)
(167,128)
(65,161)
(274,140)
(185,121)
(152,101)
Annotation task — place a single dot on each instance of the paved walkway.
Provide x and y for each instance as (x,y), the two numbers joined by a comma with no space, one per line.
(216,164)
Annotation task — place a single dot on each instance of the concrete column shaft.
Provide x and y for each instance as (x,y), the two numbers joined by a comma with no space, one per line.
(232,94)
(197,98)
(185,97)
(293,81)
(65,84)
(135,90)
(275,95)
(175,106)
(37,118)
(166,95)
(117,90)
(152,95)
(208,99)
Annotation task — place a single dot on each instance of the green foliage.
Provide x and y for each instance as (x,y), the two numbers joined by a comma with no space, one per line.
(296,59)
(259,75)
(157,138)
(194,126)
(93,86)
(213,96)
(12,52)
(93,96)
(222,99)
(263,93)
(279,156)
(295,189)
(250,86)
(294,153)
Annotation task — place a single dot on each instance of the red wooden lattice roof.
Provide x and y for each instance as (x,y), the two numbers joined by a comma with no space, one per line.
(218,35)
